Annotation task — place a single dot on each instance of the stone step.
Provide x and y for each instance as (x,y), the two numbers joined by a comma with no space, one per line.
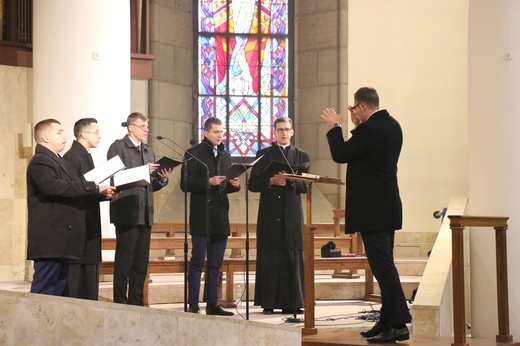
(169,288)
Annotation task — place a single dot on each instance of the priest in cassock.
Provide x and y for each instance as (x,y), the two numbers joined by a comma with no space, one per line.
(280,221)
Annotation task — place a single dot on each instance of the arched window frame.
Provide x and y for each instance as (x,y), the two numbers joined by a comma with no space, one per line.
(243,138)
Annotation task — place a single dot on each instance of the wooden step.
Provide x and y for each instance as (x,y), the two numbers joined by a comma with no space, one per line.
(339,337)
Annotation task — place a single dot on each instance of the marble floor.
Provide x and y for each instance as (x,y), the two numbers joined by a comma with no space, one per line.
(344,314)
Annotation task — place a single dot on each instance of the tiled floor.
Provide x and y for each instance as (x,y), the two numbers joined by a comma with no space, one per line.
(345,314)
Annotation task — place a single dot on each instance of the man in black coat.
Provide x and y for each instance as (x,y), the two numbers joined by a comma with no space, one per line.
(84,273)
(207,163)
(132,213)
(280,220)
(373,205)
(56,208)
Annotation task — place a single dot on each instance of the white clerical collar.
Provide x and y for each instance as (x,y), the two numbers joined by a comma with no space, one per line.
(137,144)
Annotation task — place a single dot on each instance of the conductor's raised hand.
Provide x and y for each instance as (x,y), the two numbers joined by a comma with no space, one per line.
(331,117)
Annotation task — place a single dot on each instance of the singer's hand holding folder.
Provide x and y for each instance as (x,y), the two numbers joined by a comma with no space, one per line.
(105,170)
(238,169)
(132,177)
(275,167)
(166,163)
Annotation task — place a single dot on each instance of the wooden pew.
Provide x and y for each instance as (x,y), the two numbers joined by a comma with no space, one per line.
(175,241)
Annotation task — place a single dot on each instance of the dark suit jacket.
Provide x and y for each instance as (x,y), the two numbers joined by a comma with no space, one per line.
(81,162)
(197,184)
(373,202)
(56,207)
(276,218)
(133,206)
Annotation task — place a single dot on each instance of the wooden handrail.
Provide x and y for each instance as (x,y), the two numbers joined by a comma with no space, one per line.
(457,225)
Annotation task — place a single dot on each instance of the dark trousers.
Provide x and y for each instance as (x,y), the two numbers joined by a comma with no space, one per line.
(83,281)
(215,250)
(379,248)
(50,276)
(131,263)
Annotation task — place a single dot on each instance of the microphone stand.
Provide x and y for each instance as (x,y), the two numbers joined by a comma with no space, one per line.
(296,265)
(247,226)
(185,171)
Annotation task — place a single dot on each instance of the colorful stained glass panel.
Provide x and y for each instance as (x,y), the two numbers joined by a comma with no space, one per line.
(213,15)
(273,17)
(210,107)
(243,69)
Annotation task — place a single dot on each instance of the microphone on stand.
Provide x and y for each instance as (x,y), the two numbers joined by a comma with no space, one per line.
(193,142)
(158,138)
(185,177)
(293,319)
(285,158)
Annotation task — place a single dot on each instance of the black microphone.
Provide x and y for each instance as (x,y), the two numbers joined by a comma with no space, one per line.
(125,124)
(160,138)
(194,141)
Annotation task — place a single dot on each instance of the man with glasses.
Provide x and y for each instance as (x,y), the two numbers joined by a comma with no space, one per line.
(83,279)
(132,213)
(280,220)
(373,205)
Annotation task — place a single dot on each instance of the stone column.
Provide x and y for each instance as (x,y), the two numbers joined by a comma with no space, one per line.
(82,67)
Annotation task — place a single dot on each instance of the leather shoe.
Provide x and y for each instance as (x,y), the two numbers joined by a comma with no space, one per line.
(391,335)
(376,329)
(268,311)
(194,309)
(291,311)
(215,309)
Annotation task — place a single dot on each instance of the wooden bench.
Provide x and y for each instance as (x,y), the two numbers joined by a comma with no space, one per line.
(174,240)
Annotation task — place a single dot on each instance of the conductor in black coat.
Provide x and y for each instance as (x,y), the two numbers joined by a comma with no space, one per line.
(280,220)
(56,208)
(208,218)
(373,205)
(83,279)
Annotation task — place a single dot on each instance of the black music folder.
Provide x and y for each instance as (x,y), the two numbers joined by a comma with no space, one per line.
(166,163)
(275,167)
(237,169)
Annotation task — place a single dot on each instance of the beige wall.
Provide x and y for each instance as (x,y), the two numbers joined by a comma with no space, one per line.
(494,125)
(415,55)
(15,111)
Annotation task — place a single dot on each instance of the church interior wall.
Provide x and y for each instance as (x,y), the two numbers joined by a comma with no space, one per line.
(418,63)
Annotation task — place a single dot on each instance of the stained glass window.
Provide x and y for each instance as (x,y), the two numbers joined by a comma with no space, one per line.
(243,69)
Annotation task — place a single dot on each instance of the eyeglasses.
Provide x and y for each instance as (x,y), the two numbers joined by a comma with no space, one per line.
(280,130)
(142,127)
(352,108)
(94,132)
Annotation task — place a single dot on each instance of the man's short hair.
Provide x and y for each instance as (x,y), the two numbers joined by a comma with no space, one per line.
(210,122)
(134,116)
(367,96)
(81,125)
(282,120)
(42,125)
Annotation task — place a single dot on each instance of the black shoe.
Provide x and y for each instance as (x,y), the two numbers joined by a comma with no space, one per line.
(376,329)
(268,311)
(215,309)
(194,309)
(391,335)
(291,311)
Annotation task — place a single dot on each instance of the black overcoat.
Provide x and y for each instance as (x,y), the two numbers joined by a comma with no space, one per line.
(80,160)
(372,199)
(56,207)
(133,206)
(197,185)
(279,208)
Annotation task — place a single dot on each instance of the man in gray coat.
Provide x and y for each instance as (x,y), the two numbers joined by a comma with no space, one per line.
(132,213)
(373,205)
